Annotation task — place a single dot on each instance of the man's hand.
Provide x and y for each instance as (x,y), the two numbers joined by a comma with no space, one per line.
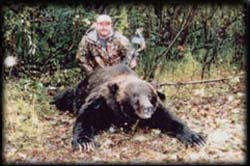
(87,69)
(133,63)
(99,61)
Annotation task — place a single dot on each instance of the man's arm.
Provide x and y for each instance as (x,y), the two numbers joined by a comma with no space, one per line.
(81,56)
(127,51)
(99,61)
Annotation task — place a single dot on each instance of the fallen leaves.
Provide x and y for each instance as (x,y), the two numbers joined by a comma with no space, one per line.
(218,137)
(215,111)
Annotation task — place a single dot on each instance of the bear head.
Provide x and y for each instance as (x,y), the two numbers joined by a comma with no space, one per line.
(136,95)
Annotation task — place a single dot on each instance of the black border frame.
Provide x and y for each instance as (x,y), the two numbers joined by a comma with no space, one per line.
(246,4)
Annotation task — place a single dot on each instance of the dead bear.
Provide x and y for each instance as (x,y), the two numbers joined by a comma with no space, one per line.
(71,99)
(118,97)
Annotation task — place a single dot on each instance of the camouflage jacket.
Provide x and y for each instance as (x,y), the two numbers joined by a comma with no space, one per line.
(92,53)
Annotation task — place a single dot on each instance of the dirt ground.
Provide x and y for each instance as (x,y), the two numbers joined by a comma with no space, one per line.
(216,110)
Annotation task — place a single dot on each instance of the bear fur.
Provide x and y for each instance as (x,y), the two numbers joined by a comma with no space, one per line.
(71,99)
(116,96)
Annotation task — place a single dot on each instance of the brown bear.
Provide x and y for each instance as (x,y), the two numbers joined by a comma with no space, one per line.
(116,96)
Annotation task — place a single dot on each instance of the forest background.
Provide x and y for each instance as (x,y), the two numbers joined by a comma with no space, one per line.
(184,42)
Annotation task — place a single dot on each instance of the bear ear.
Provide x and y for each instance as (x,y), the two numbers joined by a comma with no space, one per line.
(113,88)
(161,95)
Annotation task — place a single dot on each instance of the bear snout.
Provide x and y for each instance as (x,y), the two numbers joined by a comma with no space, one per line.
(149,109)
(146,109)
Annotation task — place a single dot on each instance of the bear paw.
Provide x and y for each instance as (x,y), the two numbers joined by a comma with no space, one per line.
(83,144)
(191,139)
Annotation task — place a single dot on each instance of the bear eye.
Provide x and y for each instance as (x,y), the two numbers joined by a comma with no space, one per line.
(153,99)
(135,95)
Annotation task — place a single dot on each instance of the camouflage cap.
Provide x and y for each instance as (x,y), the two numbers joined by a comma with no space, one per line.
(103,18)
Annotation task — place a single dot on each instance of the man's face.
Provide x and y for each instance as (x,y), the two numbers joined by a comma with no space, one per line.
(103,28)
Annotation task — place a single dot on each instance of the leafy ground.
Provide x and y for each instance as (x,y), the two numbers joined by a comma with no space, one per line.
(36,132)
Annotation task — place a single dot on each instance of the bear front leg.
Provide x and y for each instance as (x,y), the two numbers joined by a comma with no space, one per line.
(169,123)
(81,92)
(92,117)
(83,134)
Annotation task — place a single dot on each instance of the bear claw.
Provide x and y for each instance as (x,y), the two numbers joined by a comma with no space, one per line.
(83,145)
(193,139)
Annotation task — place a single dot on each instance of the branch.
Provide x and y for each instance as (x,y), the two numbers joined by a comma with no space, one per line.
(195,82)
(165,52)
(178,34)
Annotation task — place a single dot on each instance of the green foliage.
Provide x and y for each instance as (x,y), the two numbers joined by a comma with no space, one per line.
(185,68)
(63,77)
(45,38)
(30,97)
(122,20)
